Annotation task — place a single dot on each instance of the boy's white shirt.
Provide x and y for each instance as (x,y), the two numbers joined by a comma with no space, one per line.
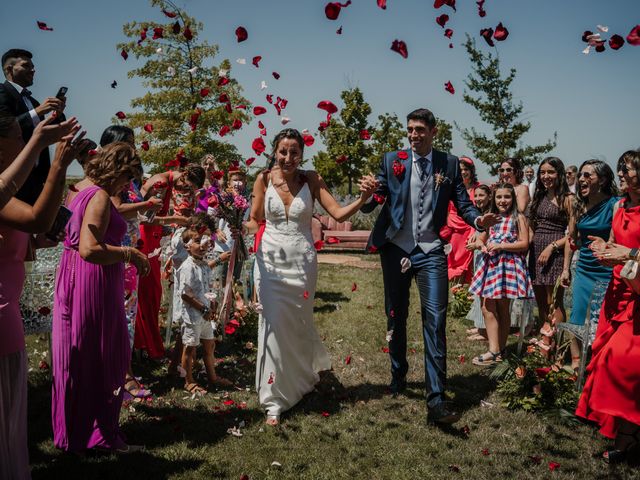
(193,278)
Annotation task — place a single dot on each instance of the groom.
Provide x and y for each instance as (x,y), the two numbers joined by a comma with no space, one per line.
(416,186)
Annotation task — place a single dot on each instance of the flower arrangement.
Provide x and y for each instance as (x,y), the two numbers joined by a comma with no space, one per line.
(439,179)
(533,383)
(460,302)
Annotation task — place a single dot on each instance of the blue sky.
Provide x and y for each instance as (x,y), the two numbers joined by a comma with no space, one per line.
(591,101)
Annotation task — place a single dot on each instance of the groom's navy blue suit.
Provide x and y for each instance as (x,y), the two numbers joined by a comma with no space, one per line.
(421,193)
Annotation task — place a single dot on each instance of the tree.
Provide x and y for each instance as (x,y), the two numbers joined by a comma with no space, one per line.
(443,140)
(388,136)
(190,100)
(347,153)
(494,103)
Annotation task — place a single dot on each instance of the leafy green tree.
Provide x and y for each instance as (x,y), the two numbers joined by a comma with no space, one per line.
(183,108)
(490,94)
(347,151)
(443,140)
(388,135)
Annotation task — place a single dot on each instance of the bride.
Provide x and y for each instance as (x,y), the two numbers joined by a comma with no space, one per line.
(290,352)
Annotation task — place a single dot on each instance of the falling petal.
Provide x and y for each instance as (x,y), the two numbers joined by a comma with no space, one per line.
(121,115)
(354,287)
(365,135)
(223,98)
(193,70)
(284,120)
(318,245)
(249,161)
(158,32)
(616,42)
(124,54)
(442,20)
(241,34)
(449,88)
(587,50)
(222,81)
(188,34)
(258,110)
(327,106)
(258,146)
(148,127)
(332,9)
(263,85)
(399,46)
(501,33)
(339,30)
(237,124)
(276,75)
(44,26)
(224,130)
(114,84)
(634,36)
(175,28)
(256,61)
(602,28)
(204,92)
(145,145)
(487,33)
(241,61)
(308,141)
(169,14)
(448,33)
(305,295)
(439,3)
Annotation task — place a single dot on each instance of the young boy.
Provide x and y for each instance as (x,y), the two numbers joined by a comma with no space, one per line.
(197,309)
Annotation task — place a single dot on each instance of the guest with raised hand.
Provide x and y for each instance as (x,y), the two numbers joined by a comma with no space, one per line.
(17,221)
(610,396)
(549,219)
(290,351)
(162,186)
(458,232)
(591,215)
(502,273)
(90,343)
(15,170)
(510,171)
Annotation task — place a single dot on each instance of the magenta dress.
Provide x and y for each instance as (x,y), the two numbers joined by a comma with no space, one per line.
(90,343)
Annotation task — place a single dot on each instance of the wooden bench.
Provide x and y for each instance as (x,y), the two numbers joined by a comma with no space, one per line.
(338,235)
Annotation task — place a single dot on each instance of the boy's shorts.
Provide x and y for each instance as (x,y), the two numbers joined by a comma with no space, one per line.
(193,333)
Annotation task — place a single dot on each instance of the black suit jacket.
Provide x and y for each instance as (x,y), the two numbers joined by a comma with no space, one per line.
(12,102)
(395,190)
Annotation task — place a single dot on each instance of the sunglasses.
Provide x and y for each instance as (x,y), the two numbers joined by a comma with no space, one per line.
(505,170)
(626,170)
(586,175)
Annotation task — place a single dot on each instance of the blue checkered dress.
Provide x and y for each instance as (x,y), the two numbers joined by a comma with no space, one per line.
(502,274)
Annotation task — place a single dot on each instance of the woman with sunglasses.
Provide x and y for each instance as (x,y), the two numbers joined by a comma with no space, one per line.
(610,396)
(591,215)
(510,171)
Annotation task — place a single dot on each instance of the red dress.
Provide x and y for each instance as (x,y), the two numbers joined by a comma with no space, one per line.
(612,389)
(147,333)
(457,232)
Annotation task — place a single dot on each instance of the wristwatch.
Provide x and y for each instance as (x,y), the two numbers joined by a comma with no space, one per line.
(205,311)
(634,254)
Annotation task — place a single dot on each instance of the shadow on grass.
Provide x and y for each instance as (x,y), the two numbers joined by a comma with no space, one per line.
(331,301)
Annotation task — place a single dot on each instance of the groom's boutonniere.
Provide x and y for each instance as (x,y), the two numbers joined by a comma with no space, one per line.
(439,179)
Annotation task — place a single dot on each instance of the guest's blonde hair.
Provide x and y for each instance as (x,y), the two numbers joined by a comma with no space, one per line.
(111,162)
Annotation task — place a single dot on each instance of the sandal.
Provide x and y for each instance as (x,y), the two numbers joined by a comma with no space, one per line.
(194,389)
(134,390)
(272,420)
(487,359)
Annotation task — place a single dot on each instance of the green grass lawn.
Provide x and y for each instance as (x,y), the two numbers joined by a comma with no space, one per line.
(349,428)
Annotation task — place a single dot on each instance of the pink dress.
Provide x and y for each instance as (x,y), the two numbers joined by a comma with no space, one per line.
(90,343)
(12,254)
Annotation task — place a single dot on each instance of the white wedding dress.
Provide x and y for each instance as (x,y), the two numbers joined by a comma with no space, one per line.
(290,351)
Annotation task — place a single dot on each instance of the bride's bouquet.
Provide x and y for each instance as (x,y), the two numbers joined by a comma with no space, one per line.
(230,205)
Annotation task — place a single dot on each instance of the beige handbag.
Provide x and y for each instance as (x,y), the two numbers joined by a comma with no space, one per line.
(630,274)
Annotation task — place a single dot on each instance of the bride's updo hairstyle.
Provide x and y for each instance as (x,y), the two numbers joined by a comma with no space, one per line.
(111,162)
(290,133)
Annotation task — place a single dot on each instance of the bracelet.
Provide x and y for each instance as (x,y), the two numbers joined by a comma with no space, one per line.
(127,254)
(555,245)
(9,192)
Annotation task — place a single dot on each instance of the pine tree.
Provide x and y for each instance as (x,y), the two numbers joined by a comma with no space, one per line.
(189,98)
(493,100)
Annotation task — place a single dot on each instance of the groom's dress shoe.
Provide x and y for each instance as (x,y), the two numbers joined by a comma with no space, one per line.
(397,386)
(441,414)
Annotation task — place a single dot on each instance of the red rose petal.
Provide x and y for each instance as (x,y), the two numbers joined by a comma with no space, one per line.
(260,124)
(158,32)
(305,295)
(400,47)
(145,145)
(43,365)
(448,33)
(269,98)
(487,33)
(365,135)
(553,466)
(332,240)
(175,28)
(228,401)
(585,35)
(193,121)
(237,124)
(223,98)
(402,155)
(188,34)
(439,3)
(169,14)
(258,110)
(308,140)
(634,36)
(451,45)
(325,414)
(249,161)
(354,287)
(276,75)
(462,359)
(241,34)
(384,349)
(222,81)
(341,159)
(339,31)
(501,33)
(124,54)
(332,9)
(228,108)
(44,26)
(327,106)
(442,20)
(45,310)
(121,115)
(256,61)
(372,249)
(258,146)
(382,4)
(347,360)
(616,42)
(486,452)
(318,245)
(449,88)
(481,10)
(600,46)
(148,128)
(379,199)
(224,130)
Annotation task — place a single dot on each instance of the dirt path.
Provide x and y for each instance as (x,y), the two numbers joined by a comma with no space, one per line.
(348,260)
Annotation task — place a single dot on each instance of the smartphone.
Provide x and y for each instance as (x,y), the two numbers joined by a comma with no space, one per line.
(62,91)
(59,224)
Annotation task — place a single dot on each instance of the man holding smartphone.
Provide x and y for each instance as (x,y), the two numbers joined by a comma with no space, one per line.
(16,99)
